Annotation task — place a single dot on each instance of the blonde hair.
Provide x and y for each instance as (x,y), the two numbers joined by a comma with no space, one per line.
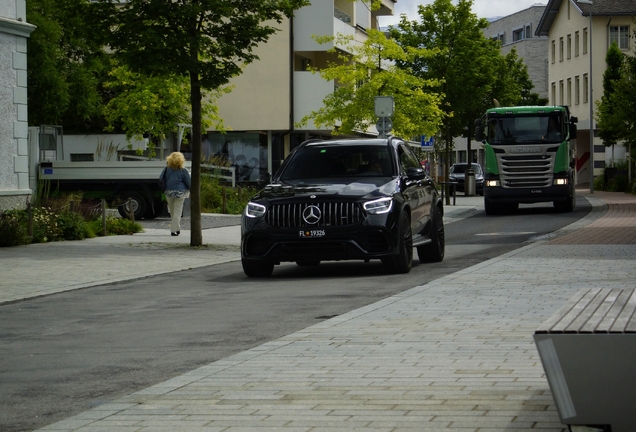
(175,160)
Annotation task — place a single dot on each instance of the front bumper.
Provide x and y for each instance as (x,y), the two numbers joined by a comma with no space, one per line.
(502,195)
(364,241)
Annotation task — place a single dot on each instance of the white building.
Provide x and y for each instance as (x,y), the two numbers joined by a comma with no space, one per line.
(579,36)
(277,91)
(14,166)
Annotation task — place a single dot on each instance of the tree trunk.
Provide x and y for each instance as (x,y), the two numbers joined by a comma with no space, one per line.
(196,236)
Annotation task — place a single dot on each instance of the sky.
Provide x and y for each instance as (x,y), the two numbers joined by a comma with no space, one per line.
(482,8)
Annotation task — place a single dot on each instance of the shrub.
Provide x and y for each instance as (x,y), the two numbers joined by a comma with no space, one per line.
(212,197)
(45,226)
(114,226)
(13,230)
(72,226)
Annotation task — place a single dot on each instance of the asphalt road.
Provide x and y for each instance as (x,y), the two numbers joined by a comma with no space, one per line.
(66,353)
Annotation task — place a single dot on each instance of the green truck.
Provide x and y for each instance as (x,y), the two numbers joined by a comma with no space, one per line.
(529,157)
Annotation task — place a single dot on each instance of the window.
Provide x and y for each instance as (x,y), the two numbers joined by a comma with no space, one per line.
(553,94)
(585,38)
(82,157)
(502,38)
(576,44)
(517,35)
(569,92)
(363,15)
(620,35)
(561,92)
(586,89)
(569,47)
(528,34)
(560,49)
(553,51)
(577,90)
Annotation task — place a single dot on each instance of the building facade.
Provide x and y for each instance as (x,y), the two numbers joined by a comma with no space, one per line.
(579,36)
(274,93)
(14,158)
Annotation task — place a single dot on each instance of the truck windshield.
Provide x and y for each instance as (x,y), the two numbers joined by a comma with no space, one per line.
(534,128)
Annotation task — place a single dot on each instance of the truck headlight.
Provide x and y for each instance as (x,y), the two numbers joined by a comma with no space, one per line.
(379,206)
(254,210)
(560,181)
(492,183)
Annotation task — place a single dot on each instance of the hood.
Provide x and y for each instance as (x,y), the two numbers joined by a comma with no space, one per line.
(367,189)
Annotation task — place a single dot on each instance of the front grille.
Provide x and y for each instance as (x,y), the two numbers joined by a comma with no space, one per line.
(331,214)
(531,171)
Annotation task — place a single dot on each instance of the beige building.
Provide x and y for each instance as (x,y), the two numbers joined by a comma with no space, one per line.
(14,158)
(579,35)
(277,91)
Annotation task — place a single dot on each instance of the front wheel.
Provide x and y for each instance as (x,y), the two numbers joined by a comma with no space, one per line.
(257,269)
(404,260)
(435,250)
(566,206)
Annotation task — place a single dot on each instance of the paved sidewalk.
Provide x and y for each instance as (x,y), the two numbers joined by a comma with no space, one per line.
(454,354)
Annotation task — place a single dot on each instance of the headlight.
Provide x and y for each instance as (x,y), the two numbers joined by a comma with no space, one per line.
(492,183)
(254,210)
(379,206)
(560,181)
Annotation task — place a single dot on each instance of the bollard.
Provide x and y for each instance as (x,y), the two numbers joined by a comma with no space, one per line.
(103,217)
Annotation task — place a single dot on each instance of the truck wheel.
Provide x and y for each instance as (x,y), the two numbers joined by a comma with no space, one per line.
(490,208)
(151,213)
(137,201)
(404,260)
(566,206)
(257,269)
(434,251)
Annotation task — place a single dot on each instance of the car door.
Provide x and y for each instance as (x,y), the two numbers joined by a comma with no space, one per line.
(414,190)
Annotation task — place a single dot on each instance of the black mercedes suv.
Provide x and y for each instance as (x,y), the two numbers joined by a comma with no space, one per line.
(334,200)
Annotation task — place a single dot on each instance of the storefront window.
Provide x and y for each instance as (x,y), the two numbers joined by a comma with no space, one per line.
(247,152)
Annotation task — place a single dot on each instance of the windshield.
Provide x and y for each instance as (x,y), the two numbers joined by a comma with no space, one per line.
(548,128)
(329,161)
(461,169)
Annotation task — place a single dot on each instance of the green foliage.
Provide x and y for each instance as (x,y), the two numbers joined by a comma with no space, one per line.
(369,72)
(208,42)
(212,197)
(66,65)
(45,226)
(609,128)
(13,230)
(72,226)
(115,226)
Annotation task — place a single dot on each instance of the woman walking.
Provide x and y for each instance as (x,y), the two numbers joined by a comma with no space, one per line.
(177,189)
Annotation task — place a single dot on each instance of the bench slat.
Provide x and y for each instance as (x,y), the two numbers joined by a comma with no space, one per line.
(592,314)
(612,306)
(626,317)
(564,311)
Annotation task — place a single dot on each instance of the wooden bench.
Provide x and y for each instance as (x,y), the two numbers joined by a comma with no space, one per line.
(588,351)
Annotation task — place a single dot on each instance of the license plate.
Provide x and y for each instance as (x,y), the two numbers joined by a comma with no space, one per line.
(311,233)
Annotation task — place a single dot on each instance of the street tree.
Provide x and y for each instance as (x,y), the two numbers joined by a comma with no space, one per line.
(207,41)
(362,72)
(154,105)
(67,66)
(462,63)
(608,119)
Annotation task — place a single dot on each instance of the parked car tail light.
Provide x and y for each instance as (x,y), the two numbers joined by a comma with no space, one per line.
(379,206)
(254,210)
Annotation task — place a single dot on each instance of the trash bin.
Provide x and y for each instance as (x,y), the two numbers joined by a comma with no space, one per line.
(469,187)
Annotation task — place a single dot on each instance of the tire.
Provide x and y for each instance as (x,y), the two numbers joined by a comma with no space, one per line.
(257,269)
(308,263)
(139,206)
(566,206)
(151,213)
(402,263)
(435,250)
(490,208)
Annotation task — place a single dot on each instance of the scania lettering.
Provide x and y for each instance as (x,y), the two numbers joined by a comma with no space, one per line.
(529,157)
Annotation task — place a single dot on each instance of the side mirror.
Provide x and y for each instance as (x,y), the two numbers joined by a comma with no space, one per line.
(415,173)
(572,131)
(479,130)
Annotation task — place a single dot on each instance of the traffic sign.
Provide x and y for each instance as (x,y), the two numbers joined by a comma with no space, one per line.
(428,143)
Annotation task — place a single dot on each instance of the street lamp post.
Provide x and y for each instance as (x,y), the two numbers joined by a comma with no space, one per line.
(591,101)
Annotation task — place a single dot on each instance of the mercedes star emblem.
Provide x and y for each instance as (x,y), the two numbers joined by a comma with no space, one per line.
(311,214)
